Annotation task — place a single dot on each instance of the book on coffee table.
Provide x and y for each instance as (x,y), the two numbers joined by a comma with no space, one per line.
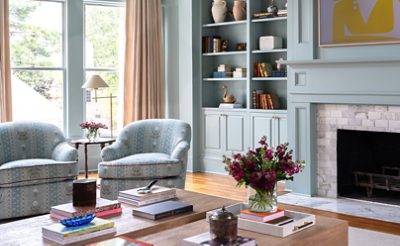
(261,217)
(65,235)
(156,192)
(121,241)
(103,208)
(162,209)
(139,203)
(205,240)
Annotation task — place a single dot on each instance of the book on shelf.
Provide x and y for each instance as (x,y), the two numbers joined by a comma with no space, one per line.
(102,208)
(156,191)
(230,105)
(64,235)
(204,240)
(222,74)
(261,100)
(162,210)
(121,241)
(211,44)
(139,203)
(261,217)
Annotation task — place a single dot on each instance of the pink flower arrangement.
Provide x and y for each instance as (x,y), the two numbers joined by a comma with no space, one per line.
(92,125)
(263,167)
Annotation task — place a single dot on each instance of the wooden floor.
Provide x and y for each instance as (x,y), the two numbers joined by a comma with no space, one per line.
(224,186)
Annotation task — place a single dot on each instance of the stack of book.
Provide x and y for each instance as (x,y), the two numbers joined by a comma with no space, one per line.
(230,105)
(66,235)
(158,194)
(204,239)
(104,208)
(223,71)
(240,72)
(282,12)
(276,218)
(261,100)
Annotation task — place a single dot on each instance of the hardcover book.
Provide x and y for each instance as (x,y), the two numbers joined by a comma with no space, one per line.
(69,211)
(57,230)
(162,209)
(204,239)
(156,191)
(77,239)
(261,217)
(139,203)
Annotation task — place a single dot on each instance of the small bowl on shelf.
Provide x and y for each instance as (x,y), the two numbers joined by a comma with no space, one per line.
(77,221)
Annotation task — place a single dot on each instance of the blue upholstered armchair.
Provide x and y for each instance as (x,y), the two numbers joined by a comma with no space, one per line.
(37,168)
(146,150)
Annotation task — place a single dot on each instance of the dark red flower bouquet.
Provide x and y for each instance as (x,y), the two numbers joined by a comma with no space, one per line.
(261,169)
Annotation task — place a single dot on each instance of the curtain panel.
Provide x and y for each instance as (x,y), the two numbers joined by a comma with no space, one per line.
(5,70)
(143,85)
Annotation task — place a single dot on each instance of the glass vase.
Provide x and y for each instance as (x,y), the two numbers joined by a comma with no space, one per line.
(92,134)
(261,201)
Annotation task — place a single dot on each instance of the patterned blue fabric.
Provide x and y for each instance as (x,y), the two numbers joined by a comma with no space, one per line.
(36,168)
(148,165)
(146,150)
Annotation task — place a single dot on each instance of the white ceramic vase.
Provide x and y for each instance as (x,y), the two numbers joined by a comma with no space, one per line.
(239,10)
(218,10)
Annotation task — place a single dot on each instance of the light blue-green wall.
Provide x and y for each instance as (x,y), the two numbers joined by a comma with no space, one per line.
(307,82)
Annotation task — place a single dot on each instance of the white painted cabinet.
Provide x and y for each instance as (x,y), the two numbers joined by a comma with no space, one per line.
(272,125)
(224,131)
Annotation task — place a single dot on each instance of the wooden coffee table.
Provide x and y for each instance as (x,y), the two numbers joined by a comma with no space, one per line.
(29,231)
(326,231)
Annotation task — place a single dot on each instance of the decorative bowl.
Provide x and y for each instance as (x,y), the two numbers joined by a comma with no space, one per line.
(77,221)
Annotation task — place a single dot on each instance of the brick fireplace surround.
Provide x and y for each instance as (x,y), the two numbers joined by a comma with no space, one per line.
(330,118)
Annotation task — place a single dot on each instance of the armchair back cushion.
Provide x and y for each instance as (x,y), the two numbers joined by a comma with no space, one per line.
(28,140)
(154,136)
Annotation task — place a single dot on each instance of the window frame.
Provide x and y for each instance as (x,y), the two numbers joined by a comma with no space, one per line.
(63,67)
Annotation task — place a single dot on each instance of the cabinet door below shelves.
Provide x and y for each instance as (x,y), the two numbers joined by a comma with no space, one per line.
(212,131)
(236,128)
(271,125)
(261,125)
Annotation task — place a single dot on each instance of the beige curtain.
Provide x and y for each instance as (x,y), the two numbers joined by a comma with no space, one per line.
(144,85)
(5,71)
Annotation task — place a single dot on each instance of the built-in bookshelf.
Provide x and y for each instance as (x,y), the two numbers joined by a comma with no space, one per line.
(226,130)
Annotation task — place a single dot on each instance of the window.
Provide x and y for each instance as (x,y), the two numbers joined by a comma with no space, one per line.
(104,43)
(37,60)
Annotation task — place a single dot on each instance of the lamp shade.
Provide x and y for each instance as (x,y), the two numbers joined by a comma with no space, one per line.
(95,82)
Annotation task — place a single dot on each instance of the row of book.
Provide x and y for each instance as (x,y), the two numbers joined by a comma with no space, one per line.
(211,44)
(262,100)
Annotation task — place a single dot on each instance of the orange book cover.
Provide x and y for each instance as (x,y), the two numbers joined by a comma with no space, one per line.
(262,217)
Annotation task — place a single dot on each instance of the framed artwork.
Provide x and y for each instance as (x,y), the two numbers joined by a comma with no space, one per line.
(358,22)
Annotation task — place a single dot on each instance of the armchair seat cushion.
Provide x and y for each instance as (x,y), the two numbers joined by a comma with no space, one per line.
(141,166)
(36,171)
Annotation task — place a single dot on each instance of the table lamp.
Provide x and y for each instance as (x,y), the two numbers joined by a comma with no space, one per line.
(94,83)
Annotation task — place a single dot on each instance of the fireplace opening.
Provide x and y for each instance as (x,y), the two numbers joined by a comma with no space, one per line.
(368,166)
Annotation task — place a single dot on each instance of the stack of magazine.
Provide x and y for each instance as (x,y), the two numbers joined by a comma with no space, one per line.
(66,235)
(103,209)
(157,194)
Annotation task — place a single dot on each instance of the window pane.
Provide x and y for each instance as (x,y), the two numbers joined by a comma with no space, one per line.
(36,33)
(100,111)
(38,95)
(104,35)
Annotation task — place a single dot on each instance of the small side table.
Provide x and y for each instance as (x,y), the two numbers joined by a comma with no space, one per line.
(85,142)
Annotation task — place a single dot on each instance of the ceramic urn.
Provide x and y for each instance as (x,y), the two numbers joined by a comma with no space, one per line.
(219,10)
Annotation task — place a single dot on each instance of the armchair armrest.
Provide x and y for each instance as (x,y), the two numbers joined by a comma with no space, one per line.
(64,152)
(180,150)
(114,151)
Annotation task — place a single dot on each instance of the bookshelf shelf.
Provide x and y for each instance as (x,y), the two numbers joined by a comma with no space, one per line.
(268,78)
(224,79)
(269,51)
(269,19)
(225,53)
(227,23)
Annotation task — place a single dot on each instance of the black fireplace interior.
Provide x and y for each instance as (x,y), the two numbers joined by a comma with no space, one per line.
(368,166)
